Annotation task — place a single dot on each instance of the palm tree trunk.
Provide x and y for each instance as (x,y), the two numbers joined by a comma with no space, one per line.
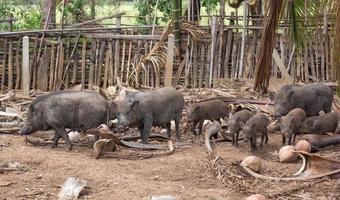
(336,50)
(46,5)
(264,58)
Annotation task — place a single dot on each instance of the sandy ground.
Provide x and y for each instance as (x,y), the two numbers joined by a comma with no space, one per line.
(183,174)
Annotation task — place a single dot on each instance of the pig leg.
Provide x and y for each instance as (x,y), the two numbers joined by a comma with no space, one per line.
(252,142)
(233,138)
(337,130)
(266,138)
(236,138)
(200,127)
(262,140)
(294,136)
(194,124)
(62,132)
(55,140)
(168,129)
(177,119)
(283,139)
(147,125)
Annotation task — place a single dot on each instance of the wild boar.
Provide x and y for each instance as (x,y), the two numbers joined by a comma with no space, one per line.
(78,111)
(311,98)
(329,122)
(206,110)
(290,123)
(235,121)
(152,108)
(306,126)
(257,124)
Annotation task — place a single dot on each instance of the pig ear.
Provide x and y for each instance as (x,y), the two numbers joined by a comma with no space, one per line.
(272,95)
(135,105)
(253,126)
(196,109)
(241,123)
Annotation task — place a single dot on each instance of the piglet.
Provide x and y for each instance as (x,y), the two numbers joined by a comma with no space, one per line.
(256,125)
(290,123)
(206,110)
(234,124)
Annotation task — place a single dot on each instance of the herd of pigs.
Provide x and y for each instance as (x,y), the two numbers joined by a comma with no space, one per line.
(304,109)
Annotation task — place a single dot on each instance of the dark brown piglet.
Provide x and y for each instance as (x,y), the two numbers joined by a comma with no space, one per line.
(290,123)
(234,124)
(329,122)
(256,125)
(206,110)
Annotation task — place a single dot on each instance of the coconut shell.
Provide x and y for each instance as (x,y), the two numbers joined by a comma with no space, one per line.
(256,197)
(287,154)
(252,162)
(303,145)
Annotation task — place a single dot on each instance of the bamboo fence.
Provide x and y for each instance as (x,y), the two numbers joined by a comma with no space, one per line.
(98,56)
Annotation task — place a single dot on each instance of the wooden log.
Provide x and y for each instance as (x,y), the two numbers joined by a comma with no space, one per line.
(10,65)
(3,71)
(25,67)
(83,63)
(17,66)
(169,61)
(281,66)
(92,62)
(107,66)
(52,67)
(100,62)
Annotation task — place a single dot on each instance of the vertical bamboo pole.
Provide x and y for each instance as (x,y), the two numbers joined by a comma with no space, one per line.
(10,65)
(25,67)
(83,63)
(213,43)
(3,74)
(169,61)
(107,66)
(17,65)
(240,71)
(52,77)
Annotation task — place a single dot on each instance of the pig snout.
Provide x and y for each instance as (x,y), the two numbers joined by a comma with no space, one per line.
(24,131)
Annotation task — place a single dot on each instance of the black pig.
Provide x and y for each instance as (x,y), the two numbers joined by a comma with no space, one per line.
(156,107)
(329,122)
(206,110)
(79,111)
(290,123)
(311,98)
(257,124)
(234,124)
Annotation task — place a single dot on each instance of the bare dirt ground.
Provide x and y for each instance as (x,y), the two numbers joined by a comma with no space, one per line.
(186,174)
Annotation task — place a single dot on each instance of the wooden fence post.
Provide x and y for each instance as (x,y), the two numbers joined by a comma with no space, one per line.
(169,61)
(25,66)
(212,52)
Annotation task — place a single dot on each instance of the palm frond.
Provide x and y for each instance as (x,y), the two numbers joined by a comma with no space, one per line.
(303,18)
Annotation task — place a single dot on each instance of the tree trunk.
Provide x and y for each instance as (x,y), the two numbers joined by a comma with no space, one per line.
(93,9)
(175,21)
(46,6)
(336,50)
(264,58)
(196,8)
